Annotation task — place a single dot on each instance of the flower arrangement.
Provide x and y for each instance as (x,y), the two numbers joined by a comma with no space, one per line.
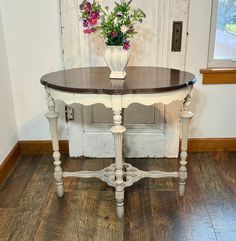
(115,26)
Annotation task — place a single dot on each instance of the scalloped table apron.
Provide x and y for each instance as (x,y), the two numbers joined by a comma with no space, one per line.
(143,85)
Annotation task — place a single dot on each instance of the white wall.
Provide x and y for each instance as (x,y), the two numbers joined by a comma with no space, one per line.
(8,131)
(32,33)
(214,105)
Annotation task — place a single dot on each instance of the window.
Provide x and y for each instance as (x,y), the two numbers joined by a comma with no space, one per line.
(222,49)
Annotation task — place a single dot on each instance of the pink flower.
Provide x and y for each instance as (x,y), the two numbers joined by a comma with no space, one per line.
(95,15)
(92,30)
(114,34)
(88,7)
(85,23)
(89,30)
(126,45)
(85,6)
(81,6)
(92,21)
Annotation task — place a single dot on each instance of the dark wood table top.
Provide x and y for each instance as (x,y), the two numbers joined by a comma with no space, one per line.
(138,80)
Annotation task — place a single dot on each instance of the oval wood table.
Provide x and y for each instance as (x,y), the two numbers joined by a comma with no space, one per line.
(143,85)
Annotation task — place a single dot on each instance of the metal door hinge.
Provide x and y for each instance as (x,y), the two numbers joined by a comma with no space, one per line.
(177,36)
(69,113)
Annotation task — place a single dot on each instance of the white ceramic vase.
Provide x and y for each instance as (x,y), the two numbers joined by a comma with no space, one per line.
(117,58)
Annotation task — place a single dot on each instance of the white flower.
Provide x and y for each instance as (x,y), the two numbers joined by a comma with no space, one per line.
(115,21)
(99,1)
(124,29)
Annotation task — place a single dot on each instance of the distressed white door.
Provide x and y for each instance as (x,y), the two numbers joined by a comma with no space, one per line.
(151,131)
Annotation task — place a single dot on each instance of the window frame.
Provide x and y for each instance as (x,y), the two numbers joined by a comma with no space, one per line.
(223,63)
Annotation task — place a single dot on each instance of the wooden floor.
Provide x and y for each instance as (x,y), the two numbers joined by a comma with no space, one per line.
(30,209)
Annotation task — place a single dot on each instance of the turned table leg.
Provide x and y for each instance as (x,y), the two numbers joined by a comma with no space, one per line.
(52,117)
(186,116)
(118,132)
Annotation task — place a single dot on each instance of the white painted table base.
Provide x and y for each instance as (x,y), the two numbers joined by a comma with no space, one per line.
(119,175)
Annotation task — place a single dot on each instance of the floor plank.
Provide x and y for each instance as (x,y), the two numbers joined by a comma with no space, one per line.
(211,184)
(24,219)
(223,217)
(5,216)
(31,210)
(226,166)
(13,188)
(196,221)
(167,223)
(95,209)
(151,206)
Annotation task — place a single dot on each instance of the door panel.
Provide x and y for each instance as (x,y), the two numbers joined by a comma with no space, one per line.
(132,115)
(99,118)
(151,131)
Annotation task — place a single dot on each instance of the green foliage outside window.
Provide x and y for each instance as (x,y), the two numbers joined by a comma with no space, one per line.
(226,15)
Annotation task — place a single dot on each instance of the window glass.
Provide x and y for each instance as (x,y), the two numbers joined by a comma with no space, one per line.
(225,35)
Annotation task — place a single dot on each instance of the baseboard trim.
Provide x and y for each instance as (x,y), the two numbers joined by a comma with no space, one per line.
(194,145)
(42,147)
(211,144)
(9,163)
(45,147)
